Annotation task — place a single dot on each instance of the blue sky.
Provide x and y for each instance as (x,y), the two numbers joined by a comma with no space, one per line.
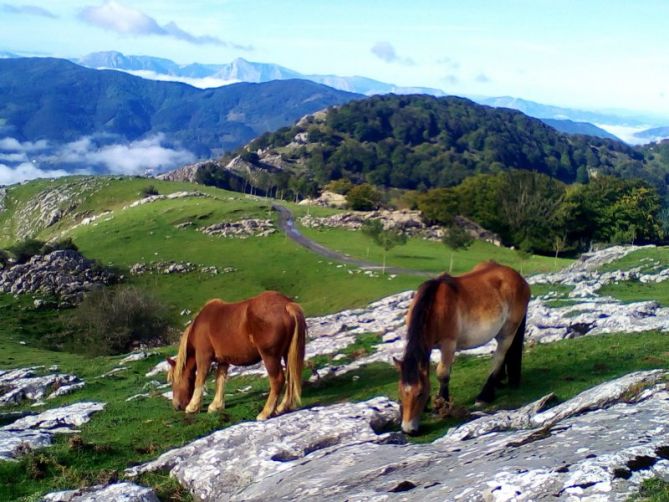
(589,54)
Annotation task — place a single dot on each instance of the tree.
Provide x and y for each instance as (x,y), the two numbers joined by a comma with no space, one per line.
(385,238)
(456,238)
(363,197)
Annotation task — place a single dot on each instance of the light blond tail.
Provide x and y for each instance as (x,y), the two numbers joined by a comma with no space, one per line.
(295,360)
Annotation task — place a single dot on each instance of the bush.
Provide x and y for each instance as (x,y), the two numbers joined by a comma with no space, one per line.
(363,198)
(26,249)
(149,191)
(113,321)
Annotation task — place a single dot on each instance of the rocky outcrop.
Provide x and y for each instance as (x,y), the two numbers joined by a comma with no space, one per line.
(599,445)
(63,273)
(3,196)
(53,204)
(36,431)
(23,384)
(406,221)
(186,173)
(223,464)
(241,229)
(170,196)
(326,199)
(176,267)
(117,492)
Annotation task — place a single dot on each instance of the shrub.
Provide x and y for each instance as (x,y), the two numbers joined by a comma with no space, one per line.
(148,191)
(26,249)
(363,198)
(112,321)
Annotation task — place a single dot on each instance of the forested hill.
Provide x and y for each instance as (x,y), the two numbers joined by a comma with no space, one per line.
(419,141)
(59,101)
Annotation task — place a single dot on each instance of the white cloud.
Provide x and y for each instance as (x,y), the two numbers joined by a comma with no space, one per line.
(29,10)
(14,145)
(114,16)
(201,83)
(26,171)
(132,158)
(24,160)
(386,52)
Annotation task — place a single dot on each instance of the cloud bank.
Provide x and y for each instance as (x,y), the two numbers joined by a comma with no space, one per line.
(386,52)
(28,10)
(114,16)
(21,161)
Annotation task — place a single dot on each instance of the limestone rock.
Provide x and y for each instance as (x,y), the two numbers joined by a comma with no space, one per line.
(118,492)
(65,274)
(24,384)
(599,445)
(241,229)
(36,431)
(223,464)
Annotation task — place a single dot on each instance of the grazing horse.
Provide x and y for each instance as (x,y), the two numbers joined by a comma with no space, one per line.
(460,313)
(269,327)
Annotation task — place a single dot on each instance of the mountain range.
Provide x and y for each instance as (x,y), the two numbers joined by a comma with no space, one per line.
(241,70)
(57,100)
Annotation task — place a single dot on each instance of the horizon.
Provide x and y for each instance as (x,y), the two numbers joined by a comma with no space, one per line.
(591,56)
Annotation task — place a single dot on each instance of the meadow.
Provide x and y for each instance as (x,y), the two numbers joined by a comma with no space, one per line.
(130,432)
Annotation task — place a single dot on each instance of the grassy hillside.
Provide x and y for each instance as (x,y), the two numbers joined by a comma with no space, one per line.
(130,432)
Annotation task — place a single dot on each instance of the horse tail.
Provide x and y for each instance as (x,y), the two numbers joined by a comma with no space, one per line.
(174,373)
(295,358)
(514,355)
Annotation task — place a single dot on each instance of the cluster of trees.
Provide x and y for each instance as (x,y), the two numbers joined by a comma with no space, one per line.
(535,212)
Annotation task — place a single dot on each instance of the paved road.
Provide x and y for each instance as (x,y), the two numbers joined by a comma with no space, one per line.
(287,224)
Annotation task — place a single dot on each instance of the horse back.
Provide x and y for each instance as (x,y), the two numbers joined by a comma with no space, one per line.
(492,291)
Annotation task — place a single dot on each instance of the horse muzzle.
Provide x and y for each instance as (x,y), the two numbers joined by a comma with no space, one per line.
(410,426)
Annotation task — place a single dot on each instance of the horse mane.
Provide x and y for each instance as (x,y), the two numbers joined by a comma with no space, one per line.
(418,348)
(175,373)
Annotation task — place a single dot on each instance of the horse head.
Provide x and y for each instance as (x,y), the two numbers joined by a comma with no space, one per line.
(414,392)
(183,384)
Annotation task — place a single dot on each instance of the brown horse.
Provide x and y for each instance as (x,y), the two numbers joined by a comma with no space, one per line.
(269,327)
(460,313)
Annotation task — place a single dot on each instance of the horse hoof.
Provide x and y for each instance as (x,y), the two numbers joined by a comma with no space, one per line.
(192,410)
(262,417)
(214,409)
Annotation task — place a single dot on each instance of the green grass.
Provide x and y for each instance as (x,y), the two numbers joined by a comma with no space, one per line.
(651,259)
(148,233)
(127,433)
(635,291)
(652,490)
(430,256)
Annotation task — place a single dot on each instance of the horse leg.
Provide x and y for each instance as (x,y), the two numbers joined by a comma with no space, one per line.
(504,340)
(444,372)
(203,362)
(288,401)
(276,381)
(219,398)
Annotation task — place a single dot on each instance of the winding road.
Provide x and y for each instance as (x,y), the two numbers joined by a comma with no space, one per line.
(287,224)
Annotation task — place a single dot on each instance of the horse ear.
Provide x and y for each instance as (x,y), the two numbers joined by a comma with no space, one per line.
(397,363)
(171,361)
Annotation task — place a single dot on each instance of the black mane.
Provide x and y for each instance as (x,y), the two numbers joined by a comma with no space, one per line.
(418,348)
